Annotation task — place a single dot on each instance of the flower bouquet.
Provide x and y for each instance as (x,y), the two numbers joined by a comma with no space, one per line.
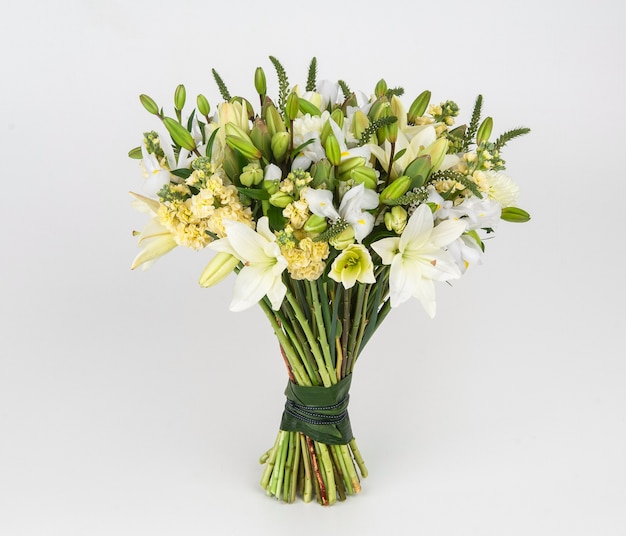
(332,207)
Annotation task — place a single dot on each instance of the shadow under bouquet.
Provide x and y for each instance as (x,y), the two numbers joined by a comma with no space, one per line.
(331,206)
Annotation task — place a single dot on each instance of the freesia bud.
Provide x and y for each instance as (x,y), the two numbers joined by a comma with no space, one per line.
(218,269)
(260,82)
(395,219)
(180,96)
(149,104)
(418,107)
(484,130)
(203,105)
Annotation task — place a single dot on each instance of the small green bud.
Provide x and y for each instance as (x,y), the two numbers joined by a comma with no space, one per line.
(280,145)
(351,163)
(397,188)
(292,107)
(203,105)
(251,175)
(246,148)
(271,186)
(179,134)
(180,96)
(307,107)
(484,130)
(360,122)
(280,199)
(274,120)
(315,224)
(343,239)
(261,138)
(418,107)
(149,104)
(338,117)
(260,82)
(515,215)
(419,170)
(395,219)
(218,269)
(333,151)
(437,151)
(322,173)
(234,131)
(381,88)
(392,132)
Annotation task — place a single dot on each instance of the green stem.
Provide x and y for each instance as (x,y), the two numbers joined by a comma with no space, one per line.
(345,330)
(356,324)
(358,458)
(321,329)
(292,327)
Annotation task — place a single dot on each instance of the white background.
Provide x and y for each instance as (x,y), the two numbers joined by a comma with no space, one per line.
(134,403)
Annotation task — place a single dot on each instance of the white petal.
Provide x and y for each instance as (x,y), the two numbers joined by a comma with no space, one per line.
(320,202)
(251,285)
(276,294)
(362,225)
(446,232)
(403,280)
(418,228)
(387,248)
(263,228)
(247,244)
(272,173)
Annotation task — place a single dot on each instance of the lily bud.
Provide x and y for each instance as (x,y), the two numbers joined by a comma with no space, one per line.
(179,134)
(484,130)
(397,188)
(419,170)
(292,107)
(315,224)
(418,107)
(274,120)
(343,239)
(218,269)
(359,123)
(203,105)
(392,132)
(395,219)
(251,175)
(364,175)
(338,117)
(149,104)
(245,147)
(381,88)
(180,96)
(234,131)
(515,215)
(307,107)
(279,145)
(322,173)
(437,151)
(333,151)
(261,138)
(280,199)
(260,83)
(351,163)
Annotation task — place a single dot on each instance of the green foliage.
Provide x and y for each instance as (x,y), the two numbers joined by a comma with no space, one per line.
(418,195)
(283,82)
(338,227)
(473,125)
(345,89)
(397,91)
(311,82)
(507,136)
(221,85)
(374,126)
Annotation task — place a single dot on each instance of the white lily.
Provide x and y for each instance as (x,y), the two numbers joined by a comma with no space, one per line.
(154,240)
(353,207)
(263,263)
(417,258)
(339,134)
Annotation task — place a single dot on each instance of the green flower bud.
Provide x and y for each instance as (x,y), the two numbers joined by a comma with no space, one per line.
(418,107)
(218,269)
(203,105)
(180,95)
(246,148)
(292,107)
(395,219)
(179,134)
(315,224)
(271,187)
(149,104)
(251,175)
(274,120)
(392,132)
(515,215)
(260,82)
(280,145)
(307,107)
(343,239)
(397,188)
(322,173)
(437,151)
(365,175)
(360,122)
(381,88)
(333,151)
(349,164)
(280,199)
(234,131)
(484,130)
(338,117)
(261,138)
(419,170)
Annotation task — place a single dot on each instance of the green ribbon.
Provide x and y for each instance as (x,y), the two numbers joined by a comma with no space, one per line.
(319,412)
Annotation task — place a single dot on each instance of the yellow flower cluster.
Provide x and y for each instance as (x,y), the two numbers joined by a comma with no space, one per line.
(297,213)
(306,259)
(189,219)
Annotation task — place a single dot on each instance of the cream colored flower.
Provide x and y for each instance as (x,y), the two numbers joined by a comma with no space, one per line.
(352,265)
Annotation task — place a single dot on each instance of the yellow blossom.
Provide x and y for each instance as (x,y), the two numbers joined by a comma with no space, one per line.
(306,260)
(297,213)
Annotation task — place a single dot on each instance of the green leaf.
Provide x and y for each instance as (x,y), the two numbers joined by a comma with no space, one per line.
(183,173)
(254,193)
(209,145)
(276,219)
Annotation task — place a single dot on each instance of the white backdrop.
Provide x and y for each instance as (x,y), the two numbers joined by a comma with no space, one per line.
(135,404)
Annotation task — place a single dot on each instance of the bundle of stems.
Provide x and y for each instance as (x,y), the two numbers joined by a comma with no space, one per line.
(321,328)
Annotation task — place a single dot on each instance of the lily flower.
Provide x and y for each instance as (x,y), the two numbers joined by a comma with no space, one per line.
(417,258)
(263,263)
(353,207)
(154,240)
(352,265)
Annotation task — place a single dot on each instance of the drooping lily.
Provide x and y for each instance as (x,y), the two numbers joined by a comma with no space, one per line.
(417,258)
(263,263)
(353,207)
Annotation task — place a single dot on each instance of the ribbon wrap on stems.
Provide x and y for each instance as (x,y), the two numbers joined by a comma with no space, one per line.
(319,412)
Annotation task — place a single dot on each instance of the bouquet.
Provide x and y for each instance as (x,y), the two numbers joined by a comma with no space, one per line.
(332,207)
